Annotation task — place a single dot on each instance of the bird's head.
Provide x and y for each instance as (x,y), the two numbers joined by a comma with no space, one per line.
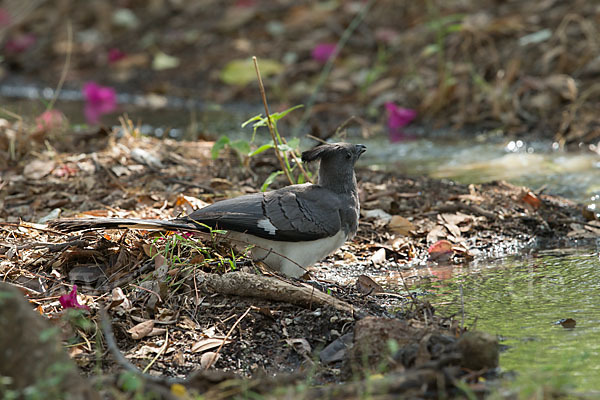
(341,153)
(337,164)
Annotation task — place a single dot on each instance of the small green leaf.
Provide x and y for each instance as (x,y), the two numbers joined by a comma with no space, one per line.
(164,61)
(262,148)
(218,146)
(430,49)
(284,147)
(270,180)
(241,72)
(290,146)
(130,382)
(256,117)
(294,143)
(260,122)
(279,115)
(454,28)
(241,146)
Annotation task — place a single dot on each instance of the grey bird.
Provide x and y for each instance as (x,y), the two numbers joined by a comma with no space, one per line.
(289,228)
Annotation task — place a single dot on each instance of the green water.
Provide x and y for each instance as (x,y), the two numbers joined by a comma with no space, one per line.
(520,301)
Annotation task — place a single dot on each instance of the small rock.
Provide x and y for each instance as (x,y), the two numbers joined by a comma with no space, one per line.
(479,350)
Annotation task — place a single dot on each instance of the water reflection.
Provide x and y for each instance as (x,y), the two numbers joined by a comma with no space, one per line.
(520,300)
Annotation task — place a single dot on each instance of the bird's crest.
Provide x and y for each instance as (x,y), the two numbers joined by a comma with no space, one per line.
(324,151)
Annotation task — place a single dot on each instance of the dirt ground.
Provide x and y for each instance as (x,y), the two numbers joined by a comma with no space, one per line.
(200,318)
(171,282)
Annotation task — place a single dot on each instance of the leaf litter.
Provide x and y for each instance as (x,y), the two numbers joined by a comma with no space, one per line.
(150,281)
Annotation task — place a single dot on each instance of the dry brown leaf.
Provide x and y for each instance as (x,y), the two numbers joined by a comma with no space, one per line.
(157,332)
(568,323)
(440,250)
(141,330)
(149,249)
(531,199)
(96,213)
(75,351)
(438,231)
(187,323)
(453,230)
(118,297)
(349,256)
(471,198)
(197,259)
(455,219)
(209,358)
(38,169)
(401,225)
(378,257)
(563,84)
(179,358)
(301,346)
(161,266)
(207,344)
(367,285)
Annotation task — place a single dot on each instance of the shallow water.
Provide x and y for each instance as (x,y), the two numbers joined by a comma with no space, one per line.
(485,157)
(521,299)
(472,158)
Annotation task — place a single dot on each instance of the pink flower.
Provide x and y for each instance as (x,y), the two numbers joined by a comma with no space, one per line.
(386,35)
(4,17)
(115,55)
(323,52)
(20,43)
(99,100)
(398,118)
(70,300)
(50,120)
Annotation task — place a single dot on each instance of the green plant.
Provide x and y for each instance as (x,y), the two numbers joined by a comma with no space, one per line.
(179,251)
(288,149)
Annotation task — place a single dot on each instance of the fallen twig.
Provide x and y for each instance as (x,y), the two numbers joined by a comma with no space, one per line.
(258,286)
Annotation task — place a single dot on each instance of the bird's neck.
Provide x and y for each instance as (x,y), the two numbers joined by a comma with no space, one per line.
(338,181)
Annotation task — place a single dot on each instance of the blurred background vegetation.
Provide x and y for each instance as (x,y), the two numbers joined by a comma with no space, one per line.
(520,67)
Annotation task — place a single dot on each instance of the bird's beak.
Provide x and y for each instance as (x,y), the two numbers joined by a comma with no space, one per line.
(360,148)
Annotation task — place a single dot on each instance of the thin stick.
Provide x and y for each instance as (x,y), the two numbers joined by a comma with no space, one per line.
(111,343)
(462,307)
(299,164)
(269,123)
(63,74)
(212,360)
(11,114)
(160,352)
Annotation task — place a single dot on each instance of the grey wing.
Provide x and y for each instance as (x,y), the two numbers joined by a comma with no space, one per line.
(240,214)
(301,215)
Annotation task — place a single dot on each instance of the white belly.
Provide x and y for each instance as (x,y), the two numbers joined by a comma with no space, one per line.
(289,258)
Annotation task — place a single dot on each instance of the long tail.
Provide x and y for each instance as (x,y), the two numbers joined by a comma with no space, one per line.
(85,224)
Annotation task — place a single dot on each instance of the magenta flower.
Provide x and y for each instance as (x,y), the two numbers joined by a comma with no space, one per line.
(4,17)
(323,52)
(19,43)
(115,55)
(99,100)
(398,118)
(50,120)
(70,300)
